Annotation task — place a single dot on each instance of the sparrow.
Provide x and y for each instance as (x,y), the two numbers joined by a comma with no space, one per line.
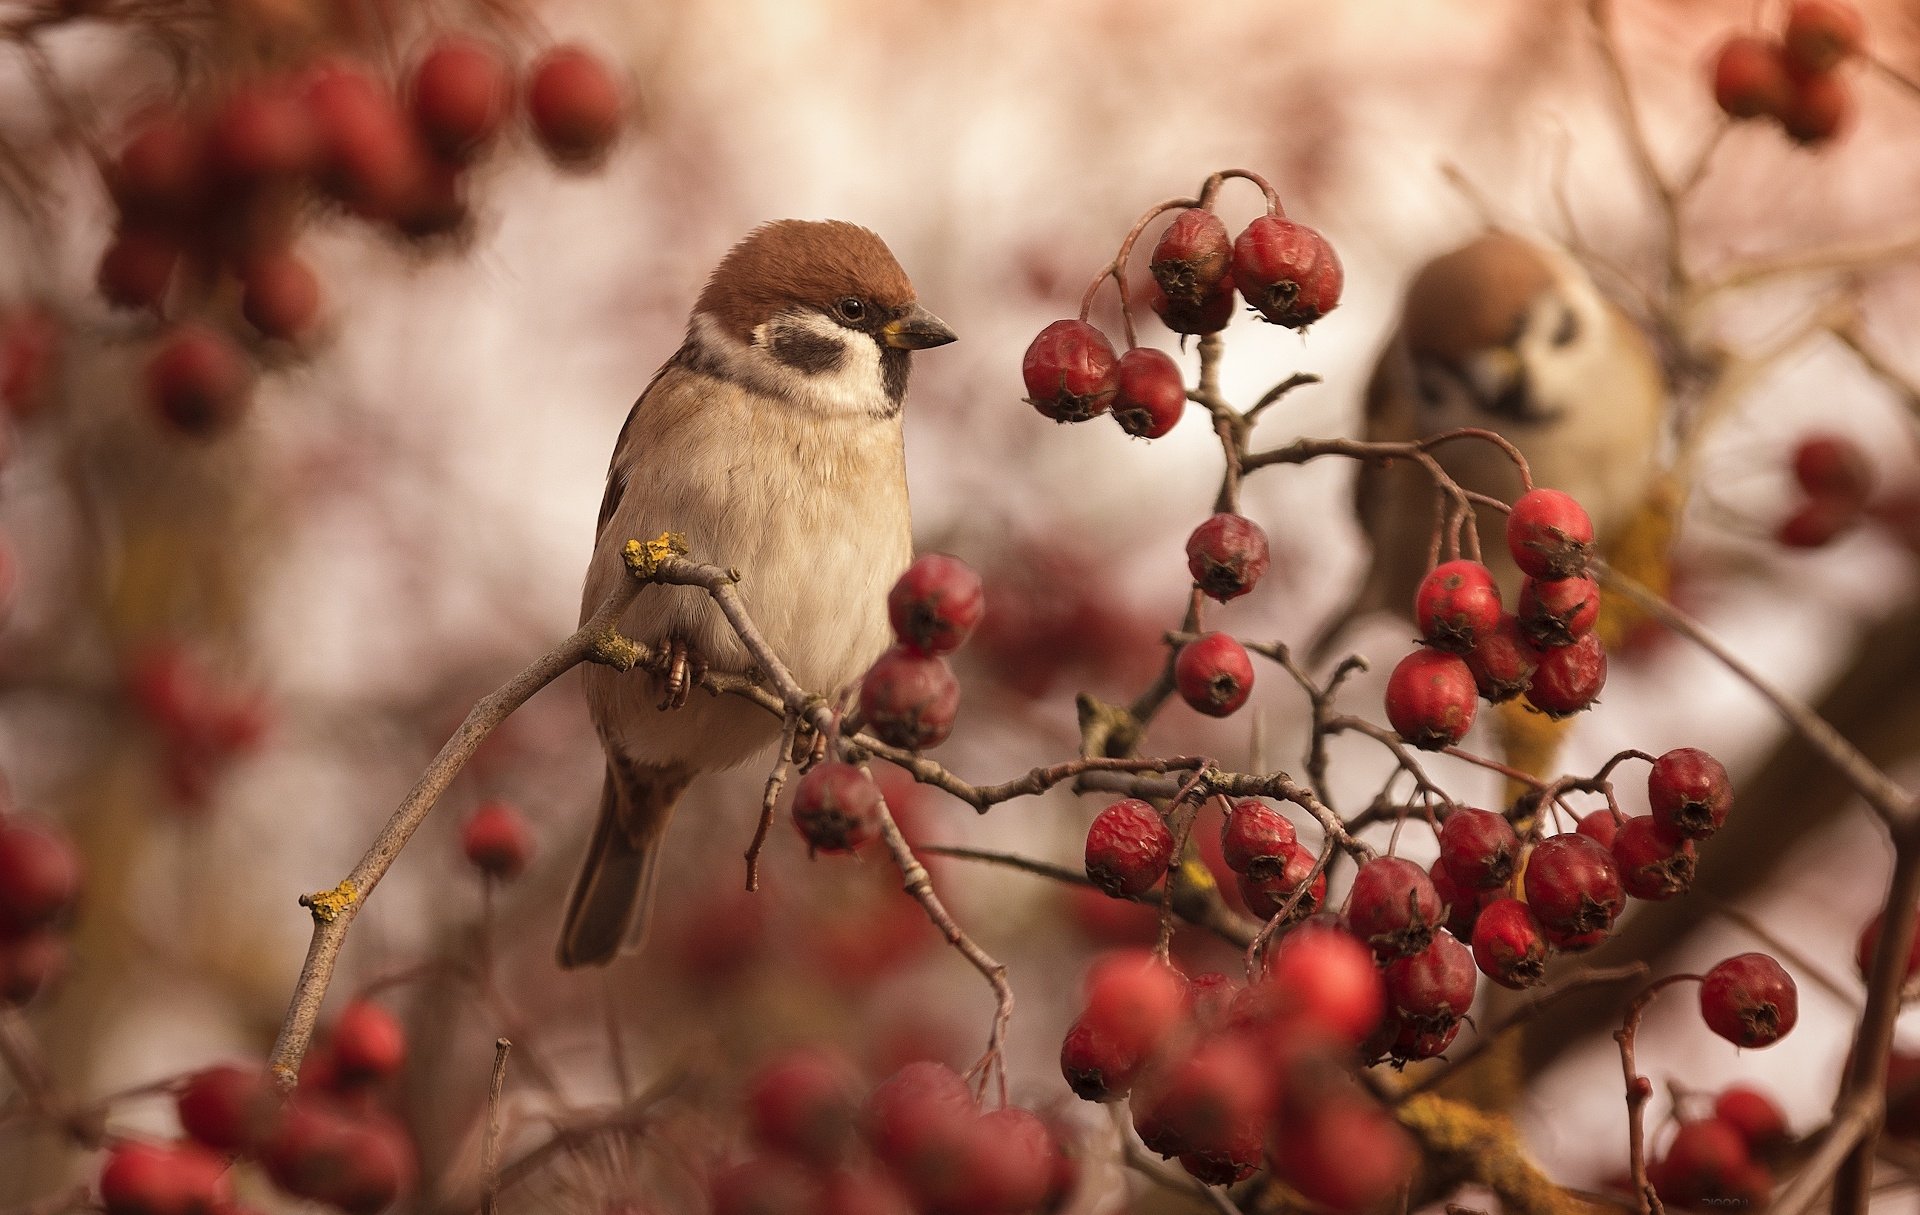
(772,441)
(1513,337)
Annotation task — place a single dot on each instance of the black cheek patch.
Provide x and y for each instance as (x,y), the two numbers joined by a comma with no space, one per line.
(805,351)
(893,373)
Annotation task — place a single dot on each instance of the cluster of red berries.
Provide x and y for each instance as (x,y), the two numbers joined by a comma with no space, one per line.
(1269,862)
(1230,1079)
(497,841)
(216,190)
(1835,482)
(1721,1162)
(40,874)
(1546,651)
(919,1142)
(203,720)
(332,1142)
(1794,78)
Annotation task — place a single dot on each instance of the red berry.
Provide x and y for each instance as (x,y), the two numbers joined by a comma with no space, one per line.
(1097,1066)
(370,159)
(497,841)
(260,132)
(1192,257)
(1071,372)
(1211,315)
(1346,1154)
(803,1102)
(1134,1002)
(137,267)
(459,95)
(913,1110)
(1832,467)
(1325,975)
(230,1108)
(1572,886)
(358,1163)
(1689,792)
(1434,987)
(197,380)
(1213,674)
(29,349)
(909,699)
(1462,905)
(30,963)
(1286,271)
(1205,1100)
(1601,827)
(1818,109)
(1869,944)
(281,296)
(1569,679)
(1653,863)
(1503,662)
(936,604)
(39,875)
(1755,1116)
(1750,78)
(1456,606)
(575,105)
(1430,699)
(836,807)
(1270,888)
(163,1179)
(1559,612)
(1393,906)
(1227,1163)
(1479,848)
(1254,832)
(1816,523)
(1227,556)
(1549,535)
(1821,34)
(1749,1000)
(368,1042)
(1704,1166)
(1508,944)
(160,172)
(1414,1040)
(1004,1166)
(1150,395)
(1128,849)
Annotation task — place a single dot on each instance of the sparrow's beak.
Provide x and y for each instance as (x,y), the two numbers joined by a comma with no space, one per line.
(917,330)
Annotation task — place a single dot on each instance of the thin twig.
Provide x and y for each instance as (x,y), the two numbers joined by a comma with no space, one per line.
(490,1146)
(1484,1040)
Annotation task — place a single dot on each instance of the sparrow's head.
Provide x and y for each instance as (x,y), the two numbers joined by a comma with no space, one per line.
(818,314)
(1503,333)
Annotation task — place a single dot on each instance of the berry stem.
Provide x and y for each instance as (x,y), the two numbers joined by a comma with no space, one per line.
(1212,187)
(1117,268)
(1640,1090)
(782,764)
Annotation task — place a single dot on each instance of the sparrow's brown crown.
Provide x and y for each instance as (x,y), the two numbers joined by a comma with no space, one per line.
(1476,297)
(803,262)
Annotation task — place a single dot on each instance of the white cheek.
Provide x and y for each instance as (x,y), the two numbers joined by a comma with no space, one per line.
(856,387)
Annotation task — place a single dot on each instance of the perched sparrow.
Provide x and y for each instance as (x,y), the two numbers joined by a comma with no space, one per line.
(1512,337)
(772,440)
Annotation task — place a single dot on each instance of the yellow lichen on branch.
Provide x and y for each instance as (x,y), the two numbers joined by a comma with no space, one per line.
(644,560)
(1463,1145)
(328,904)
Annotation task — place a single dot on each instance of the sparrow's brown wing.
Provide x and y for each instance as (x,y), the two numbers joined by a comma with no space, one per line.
(621,464)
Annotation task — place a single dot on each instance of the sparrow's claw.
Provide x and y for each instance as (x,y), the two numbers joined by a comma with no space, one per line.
(686,666)
(809,747)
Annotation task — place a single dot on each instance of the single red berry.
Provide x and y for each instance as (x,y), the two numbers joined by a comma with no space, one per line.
(197,380)
(1430,699)
(1820,107)
(1869,944)
(369,1042)
(1462,905)
(1456,606)
(1192,257)
(575,105)
(1346,1154)
(935,606)
(1549,534)
(1414,1040)
(137,267)
(803,1102)
(1503,662)
(1654,863)
(160,173)
(1509,946)
(371,160)
(1286,271)
(1325,975)
(262,131)
(230,1108)
(836,807)
(1393,906)
(909,700)
(1559,612)
(1211,315)
(1479,848)
(1097,1066)
(1832,467)
(1254,831)
(1600,826)
(281,295)
(1150,395)
(458,95)
(1206,1098)
(1269,888)
(1071,372)
(1005,1167)
(497,840)
(1689,792)
(1704,1165)
(1749,1000)
(1816,523)
(1229,1162)
(1822,34)
(1750,78)
(39,875)
(31,962)
(163,1179)
(1128,849)
(1434,987)
(1569,679)
(319,1150)
(1755,1116)
(916,1107)
(1134,1001)
(1213,674)
(1227,556)
(1572,886)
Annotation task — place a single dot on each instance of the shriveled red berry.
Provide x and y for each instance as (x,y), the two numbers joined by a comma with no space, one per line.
(1269,888)
(369,1042)
(915,1107)
(1654,863)
(1205,1099)
(1128,849)
(1456,605)
(1210,315)
(137,267)
(1832,467)
(280,295)
(1750,78)
(1503,662)
(1821,34)
(1559,612)
(1749,1000)
(1433,987)
(163,1179)
(458,95)
(1213,674)
(1393,906)
(1346,1154)
(1569,679)
(1431,699)
(1756,1116)
(909,699)
(497,840)
(1150,395)
(1227,1163)
(1254,831)
(1192,257)
(1819,108)
(160,173)
(1286,271)
(1071,372)
(40,875)
(935,606)
(262,131)
(1479,848)
(1227,556)
(1097,1066)
(197,380)
(1509,945)
(803,1102)
(575,105)
(1549,534)
(1573,886)
(230,1108)
(1325,975)
(836,807)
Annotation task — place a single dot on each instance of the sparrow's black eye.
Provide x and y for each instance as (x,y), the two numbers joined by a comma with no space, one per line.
(851,309)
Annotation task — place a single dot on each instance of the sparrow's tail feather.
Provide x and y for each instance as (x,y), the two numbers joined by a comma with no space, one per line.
(613,896)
